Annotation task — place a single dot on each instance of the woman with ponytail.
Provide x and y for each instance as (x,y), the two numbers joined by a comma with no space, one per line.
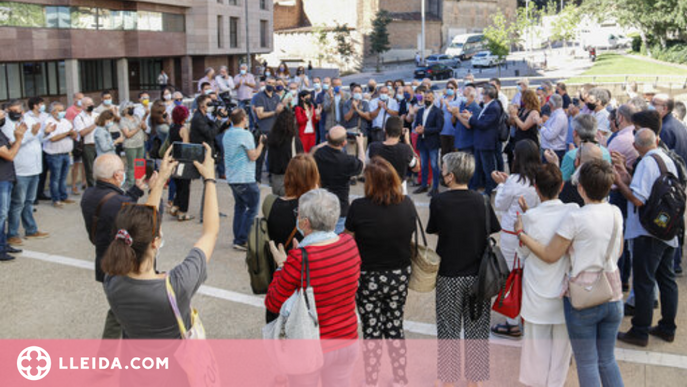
(136,292)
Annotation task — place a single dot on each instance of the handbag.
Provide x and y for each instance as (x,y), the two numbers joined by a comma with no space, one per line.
(424,262)
(292,340)
(197,359)
(586,295)
(509,300)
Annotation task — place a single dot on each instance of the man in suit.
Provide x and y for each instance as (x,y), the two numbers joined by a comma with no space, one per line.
(428,124)
(485,136)
(318,99)
(334,101)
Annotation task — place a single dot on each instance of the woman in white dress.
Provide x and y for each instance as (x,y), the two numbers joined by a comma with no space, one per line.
(546,351)
(526,162)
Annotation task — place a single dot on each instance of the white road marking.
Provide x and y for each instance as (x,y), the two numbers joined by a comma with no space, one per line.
(622,354)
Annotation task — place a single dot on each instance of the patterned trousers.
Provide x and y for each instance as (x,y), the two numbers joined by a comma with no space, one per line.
(381,299)
(453,316)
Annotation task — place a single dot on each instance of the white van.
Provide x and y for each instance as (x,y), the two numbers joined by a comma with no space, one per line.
(466,45)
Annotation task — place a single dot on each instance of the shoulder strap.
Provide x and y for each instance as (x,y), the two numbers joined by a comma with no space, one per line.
(267,205)
(293,147)
(305,268)
(661,164)
(96,216)
(289,240)
(487,218)
(611,243)
(171,296)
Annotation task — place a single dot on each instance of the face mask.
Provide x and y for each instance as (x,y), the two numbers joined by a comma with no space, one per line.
(145,102)
(268,74)
(591,106)
(281,68)
(418,97)
(450,92)
(280,87)
(60,115)
(269,88)
(428,103)
(357,96)
(406,95)
(298,227)
(317,86)
(243,72)
(306,101)
(90,109)
(109,125)
(78,103)
(399,97)
(299,72)
(337,89)
(325,87)
(107,102)
(371,88)
(41,108)
(2,122)
(167,97)
(14,116)
(210,109)
(178,103)
(384,97)
(651,107)
(262,88)
(208,91)
(121,185)
(519,88)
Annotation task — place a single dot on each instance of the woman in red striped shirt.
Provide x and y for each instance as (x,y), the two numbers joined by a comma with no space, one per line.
(334,264)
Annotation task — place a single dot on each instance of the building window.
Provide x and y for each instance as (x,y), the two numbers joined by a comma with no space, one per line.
(220,2)
(220,30)
(233,2)
(173,22)
(21,15)
(58,17)
(147,73)
(264,33)
(263,4)
(110,20)
(84,18)
(233,32)
(31,79)
(97,75)
(149,21)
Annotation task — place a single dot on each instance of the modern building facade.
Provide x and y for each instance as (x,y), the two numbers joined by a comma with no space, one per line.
(53,48)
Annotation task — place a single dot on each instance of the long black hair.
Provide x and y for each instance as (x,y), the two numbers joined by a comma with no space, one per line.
(527,160)
(284,129)
(301,99)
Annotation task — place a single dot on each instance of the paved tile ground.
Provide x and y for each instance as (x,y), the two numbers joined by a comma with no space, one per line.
(50,292)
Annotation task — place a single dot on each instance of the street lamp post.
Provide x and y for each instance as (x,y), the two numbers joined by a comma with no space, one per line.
(248,61)
(422,38)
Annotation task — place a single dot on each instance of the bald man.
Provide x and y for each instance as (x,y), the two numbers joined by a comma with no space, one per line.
(652,257)
(337,167)
(99,207)
(587,152)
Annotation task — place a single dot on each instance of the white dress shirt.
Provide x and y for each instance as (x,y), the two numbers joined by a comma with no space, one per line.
(543,282)
(554,132)
(225,85)
(29,159)
(82,121)
(64,145)
(381,118)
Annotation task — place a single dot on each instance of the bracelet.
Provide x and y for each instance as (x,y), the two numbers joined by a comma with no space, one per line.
(210,180)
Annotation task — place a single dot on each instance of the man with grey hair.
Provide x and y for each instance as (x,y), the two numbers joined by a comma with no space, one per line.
(225,83)
(584,130)
(99,206)
(84,123)
(244,84)
(673,132)
(680,111)
(554,132)
(57,146)
(597,100)
(208,78)
(652,257)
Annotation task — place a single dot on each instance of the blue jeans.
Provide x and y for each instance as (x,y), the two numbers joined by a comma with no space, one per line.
(21,206)
(336,371)
(592,334)
(429,157)
(485,164)
(59,168)
(246,201)
(653,263)
(5,198)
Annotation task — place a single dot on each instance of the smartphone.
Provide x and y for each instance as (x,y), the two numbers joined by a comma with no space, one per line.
(188,152)
(140,169)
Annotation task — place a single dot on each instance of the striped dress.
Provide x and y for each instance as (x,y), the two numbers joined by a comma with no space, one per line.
(334,273)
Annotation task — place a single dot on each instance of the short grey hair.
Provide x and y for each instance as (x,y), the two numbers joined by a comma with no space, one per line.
(490,91)
(224,68)
(585,127)
(125,105)
(602,96)
(461,165)
(639,103)
(626,111)
(645,138)
(177,94)
(54,105)
(106,166)
(321,208)
(209,70)
(242,65)
(471,91)
(557,101)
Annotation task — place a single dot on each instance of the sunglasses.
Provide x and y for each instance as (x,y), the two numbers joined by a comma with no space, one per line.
(156,231)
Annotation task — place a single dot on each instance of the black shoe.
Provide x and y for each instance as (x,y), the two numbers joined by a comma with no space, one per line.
(421,190)
(12,250)
(433,193)
(631,337)
(678,270)
(661,334)
(6,257)
(354,181)
(629,310)
(655,304)
(43,198)
(414,183)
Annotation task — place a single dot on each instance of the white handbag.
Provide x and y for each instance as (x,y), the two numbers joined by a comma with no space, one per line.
(293,339)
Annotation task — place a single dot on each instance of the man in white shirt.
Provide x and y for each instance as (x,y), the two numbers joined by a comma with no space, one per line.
(244,86)
(57,146)
(597,100)
(84,124)
(225,83)
(37,113)
(28,164)
(652,257)
(381,108)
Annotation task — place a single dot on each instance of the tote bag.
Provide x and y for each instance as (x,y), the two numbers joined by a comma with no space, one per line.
(509,300)
(424,262)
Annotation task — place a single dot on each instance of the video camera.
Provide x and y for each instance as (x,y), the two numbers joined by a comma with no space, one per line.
(224,105)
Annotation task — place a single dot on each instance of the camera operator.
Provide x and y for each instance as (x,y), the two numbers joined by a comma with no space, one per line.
(203,128)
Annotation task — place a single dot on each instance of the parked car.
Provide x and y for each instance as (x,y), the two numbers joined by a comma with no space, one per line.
(444,59)
(485,59)
(434,72)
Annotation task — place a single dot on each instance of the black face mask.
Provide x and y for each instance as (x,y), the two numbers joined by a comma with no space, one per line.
(90,109)
(299,73)
(428,103)
(130,112)
(591,106)
(371,88)
(2,122)
(306,101)
(269,88)
(14,116)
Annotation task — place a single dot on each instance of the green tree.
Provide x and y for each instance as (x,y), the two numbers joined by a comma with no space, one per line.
(344,47)
(564,26)
(322,42)
(379,37)
(499,35)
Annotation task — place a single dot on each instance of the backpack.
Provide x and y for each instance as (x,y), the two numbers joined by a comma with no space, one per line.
(258,256)
(503,128)
(662,213)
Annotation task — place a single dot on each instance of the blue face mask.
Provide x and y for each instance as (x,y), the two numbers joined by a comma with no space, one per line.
(268,74)
(399,97)
(406,95)
(109,125)
(317,86)
(178,103)
(358,96)
(208,91)
(450,92)
(519,88)
(280,88)
(298,227)
(107,102)
(651,107)
(41,108)
(78,103)
(61,115)
(325,87)
(243,72)
(337,89)
(121,185)
(383,97)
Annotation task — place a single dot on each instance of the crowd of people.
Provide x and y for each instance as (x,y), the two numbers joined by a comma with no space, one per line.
(565,191)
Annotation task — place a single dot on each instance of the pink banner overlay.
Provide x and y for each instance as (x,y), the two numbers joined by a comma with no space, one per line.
(241,362)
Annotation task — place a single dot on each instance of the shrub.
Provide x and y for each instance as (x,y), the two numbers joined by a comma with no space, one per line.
(636,44)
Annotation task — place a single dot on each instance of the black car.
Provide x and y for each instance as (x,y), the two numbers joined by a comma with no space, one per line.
(434,72)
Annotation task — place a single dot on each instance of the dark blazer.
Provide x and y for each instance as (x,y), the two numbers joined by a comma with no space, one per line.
(318,100)
(203,130)
(105,232)
(430,139)
(485,128)
(674,135)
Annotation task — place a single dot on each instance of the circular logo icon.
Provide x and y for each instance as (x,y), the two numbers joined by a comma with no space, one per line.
(33,363)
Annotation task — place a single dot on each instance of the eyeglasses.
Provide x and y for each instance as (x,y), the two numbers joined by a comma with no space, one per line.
(151,207)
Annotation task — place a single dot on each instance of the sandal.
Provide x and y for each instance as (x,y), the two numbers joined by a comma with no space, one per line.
(174,211)
(185,217)
(506,330)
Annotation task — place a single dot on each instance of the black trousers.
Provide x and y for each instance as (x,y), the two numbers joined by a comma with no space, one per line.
(447,145)
(183,194)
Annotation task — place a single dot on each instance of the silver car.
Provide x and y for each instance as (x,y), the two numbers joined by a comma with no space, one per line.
(443,59)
